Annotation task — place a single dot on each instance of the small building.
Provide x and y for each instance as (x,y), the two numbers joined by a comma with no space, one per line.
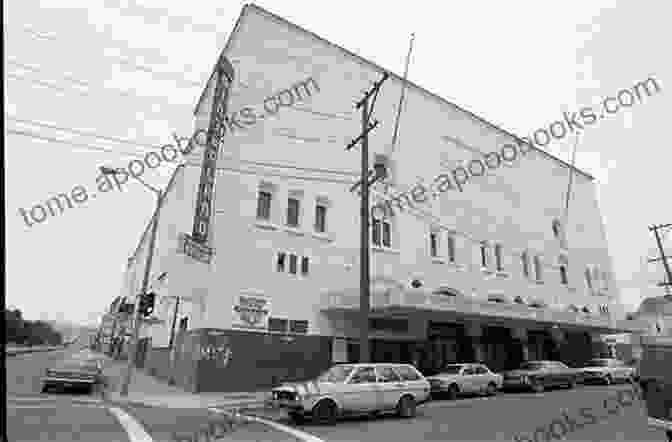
(487,273)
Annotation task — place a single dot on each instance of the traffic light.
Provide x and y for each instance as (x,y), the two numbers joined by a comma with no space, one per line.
(146,305)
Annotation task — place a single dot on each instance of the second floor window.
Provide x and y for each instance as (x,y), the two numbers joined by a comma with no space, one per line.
(451,248)
(538,268)
(484,255)
(381,233)
(589,281)
(526,264)
(498,258)
(304,265)
(320,218)
(563,270)
(293,212)
(434,244)
(292,263)
(264,205)
(281,262)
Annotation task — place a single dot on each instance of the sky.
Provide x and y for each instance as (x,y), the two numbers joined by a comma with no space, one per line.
(83,75)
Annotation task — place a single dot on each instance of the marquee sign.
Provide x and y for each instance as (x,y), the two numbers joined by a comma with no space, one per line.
(223,78)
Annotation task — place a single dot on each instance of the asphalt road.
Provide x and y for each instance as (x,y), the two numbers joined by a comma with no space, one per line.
(66,417)
(505,416)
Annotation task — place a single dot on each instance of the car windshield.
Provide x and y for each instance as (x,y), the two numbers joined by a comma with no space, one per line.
(338,373)
(451,369)
(532,366)
(598,363)
(78,365)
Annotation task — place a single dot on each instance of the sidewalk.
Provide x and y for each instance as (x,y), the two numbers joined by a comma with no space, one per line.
(150,391)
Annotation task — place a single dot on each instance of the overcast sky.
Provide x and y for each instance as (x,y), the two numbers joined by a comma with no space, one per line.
(134,70)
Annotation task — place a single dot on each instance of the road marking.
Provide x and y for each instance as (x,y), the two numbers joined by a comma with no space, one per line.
(45,406)
(302,435)
(136,432)
(53,398)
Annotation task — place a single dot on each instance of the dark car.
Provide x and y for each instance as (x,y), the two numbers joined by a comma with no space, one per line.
(74,373)
(537,375)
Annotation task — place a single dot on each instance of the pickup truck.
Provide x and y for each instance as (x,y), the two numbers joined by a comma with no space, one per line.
(655,378)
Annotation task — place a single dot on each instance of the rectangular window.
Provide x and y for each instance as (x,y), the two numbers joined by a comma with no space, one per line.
(264,205)
(320,218)
(184,323)
(292,264)
(387,234)
(498,258)
(277,325)
(298,327)
(304,265)
(538,268)
(375,232)
(484,255)
(526,264)
(281,261)
(433,245)
(293,212)
(563,275)
(451,248)
(589,281)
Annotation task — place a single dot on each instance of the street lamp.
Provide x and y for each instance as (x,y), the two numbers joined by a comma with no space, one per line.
(148,264)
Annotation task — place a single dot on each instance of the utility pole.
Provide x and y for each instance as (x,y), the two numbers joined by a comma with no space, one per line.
(137,317)
(380,172)
(172,328)
(662,258)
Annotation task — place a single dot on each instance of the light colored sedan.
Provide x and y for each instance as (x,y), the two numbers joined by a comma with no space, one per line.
(456,379)
(606,371)
(354,389)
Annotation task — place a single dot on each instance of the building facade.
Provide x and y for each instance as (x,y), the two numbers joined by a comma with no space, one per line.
(491,273)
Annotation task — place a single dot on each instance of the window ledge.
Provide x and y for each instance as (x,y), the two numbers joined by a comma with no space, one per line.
(487,271)
(323,236)
(266,225)
(294,230)
(455,266)
(388,250)
(503,274)
(438,260)
(538,281)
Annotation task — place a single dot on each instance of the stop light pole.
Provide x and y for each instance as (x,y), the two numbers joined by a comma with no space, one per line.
(137,314)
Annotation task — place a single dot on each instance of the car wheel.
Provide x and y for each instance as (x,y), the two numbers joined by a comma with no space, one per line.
(406,407)
(607,380)
(491,389)
(325,413)
(297,417)
(571,384)
(453,391)
(45,389)
(537,386)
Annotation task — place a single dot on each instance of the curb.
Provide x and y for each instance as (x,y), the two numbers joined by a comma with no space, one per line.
(14,353)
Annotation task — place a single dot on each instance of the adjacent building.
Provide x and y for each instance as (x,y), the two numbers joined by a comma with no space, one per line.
(492,273)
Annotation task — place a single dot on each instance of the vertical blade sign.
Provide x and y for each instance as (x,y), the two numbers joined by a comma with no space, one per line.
(223,78)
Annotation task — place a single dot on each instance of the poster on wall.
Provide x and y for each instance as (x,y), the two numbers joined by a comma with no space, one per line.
(251,312)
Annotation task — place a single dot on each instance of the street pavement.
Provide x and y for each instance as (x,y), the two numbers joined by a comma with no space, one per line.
(71,416)
(506,417)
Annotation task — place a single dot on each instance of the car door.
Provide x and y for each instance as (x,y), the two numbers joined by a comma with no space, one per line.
(621,371)
(563,374)
(361,390)
(390,387)
(413,382)
(482,378)
(468,380)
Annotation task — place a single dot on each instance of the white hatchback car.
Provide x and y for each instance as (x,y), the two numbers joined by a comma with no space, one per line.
(353,389)
(455,379)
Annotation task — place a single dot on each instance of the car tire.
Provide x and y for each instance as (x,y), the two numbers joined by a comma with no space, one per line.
(406,407)
(452,392)
(45,389)
(537,386)
(325,413)
(608,380)
(571,384)
(491,389)
(297,417)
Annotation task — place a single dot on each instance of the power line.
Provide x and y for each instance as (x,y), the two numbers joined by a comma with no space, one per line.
(178,78)
(92,88)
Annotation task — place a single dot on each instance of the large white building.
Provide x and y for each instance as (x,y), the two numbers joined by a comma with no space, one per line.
(491,273)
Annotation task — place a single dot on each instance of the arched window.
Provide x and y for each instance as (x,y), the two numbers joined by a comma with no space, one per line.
(589,280)
(451,248)
(498,258)
(526,263)
(557,229)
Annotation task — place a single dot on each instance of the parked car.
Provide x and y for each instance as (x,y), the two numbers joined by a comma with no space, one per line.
(606,371)
(78,373)
(354,389)
(537,375)
(456,379)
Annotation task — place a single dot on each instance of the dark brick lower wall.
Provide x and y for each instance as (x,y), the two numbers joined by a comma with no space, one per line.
(233,360)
